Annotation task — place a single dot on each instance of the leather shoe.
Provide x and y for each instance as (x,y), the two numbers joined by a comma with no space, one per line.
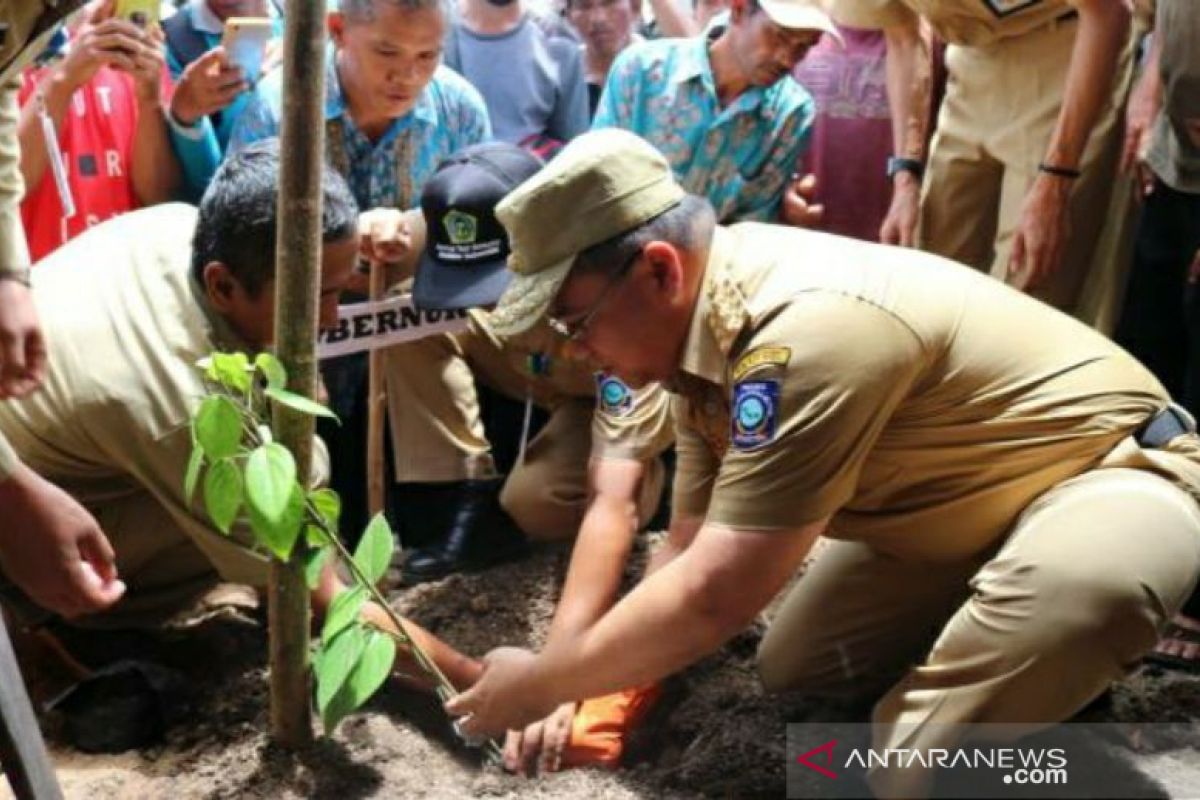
(480,535)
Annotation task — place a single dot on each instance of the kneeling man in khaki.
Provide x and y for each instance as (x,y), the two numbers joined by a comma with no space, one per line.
(1012,498)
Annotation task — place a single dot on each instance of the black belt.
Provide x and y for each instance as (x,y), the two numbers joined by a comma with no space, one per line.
(1172,421)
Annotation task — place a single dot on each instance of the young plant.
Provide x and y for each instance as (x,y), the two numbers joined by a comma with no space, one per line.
(247,475)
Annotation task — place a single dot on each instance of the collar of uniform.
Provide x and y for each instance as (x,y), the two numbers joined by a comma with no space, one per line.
(719,317)
(335,102)
(203,19)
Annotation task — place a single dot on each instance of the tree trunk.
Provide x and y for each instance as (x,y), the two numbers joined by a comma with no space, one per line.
(297,289)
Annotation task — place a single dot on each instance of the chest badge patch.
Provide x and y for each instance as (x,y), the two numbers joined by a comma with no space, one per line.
(614,396)
(755,413)
(761,357)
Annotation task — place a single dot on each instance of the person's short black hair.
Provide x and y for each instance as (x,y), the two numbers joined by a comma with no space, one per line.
(237,221)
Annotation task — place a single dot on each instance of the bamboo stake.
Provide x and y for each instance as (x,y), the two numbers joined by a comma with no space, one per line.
(298,268)
(22,752)
(376,409)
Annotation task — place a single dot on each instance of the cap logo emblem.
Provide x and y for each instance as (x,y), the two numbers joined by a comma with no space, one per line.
(461,227)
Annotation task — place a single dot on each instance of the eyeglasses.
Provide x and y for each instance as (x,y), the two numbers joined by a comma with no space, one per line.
(574,331)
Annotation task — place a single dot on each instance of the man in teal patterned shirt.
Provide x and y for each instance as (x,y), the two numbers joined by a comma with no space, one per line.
(723,108)
(392,115)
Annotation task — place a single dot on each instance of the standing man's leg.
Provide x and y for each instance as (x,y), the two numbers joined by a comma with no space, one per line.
(1071,601)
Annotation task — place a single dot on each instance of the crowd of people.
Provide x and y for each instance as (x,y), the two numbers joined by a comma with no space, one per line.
(706,252)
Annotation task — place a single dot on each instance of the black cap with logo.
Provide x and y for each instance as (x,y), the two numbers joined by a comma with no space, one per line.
(466,249)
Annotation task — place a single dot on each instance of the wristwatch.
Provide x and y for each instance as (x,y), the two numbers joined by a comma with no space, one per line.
(897,164)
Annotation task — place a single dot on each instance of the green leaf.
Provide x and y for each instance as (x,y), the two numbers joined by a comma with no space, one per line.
(328,505)
(314,562)
(265,434)
(231,370)
(337,709)
(192,477)
(217,427)
(342,612)
(270,479)
(374,551)
(315,537)
(372,669)
(279,534)
(298,402)
(223,493)
(272,369)
(337,662)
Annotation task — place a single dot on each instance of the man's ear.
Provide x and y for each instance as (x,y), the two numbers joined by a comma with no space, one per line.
(665,262)
(219,286)
(335,23)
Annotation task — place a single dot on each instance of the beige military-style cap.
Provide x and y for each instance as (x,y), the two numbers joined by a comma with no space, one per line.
(801,15)
(604,183)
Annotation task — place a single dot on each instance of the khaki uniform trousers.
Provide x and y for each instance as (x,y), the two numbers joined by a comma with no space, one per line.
(437,431)
(1001,105)
(1029,633)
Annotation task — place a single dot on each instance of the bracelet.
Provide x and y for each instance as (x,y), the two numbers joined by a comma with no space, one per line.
(1059,172)
(18,274)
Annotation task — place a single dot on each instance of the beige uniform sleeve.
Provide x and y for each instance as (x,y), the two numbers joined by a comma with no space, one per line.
(696,466)
(8,459)
(630,424)
(14,252)
(871,14)
(803,426)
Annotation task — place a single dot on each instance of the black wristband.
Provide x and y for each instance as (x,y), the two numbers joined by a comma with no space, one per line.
(897,164)
(1059,172)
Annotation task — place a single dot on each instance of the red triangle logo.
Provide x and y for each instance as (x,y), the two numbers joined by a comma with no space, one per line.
(827,749)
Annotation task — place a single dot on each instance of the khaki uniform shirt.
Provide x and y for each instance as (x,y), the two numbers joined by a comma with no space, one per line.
(626,424)
(967,22)
(125,325)
(920,404)
(25,28)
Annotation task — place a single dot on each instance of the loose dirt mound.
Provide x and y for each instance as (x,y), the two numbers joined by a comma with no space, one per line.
(717,734)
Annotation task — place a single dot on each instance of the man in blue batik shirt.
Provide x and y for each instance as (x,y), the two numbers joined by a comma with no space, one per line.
(392,115)
(724,110)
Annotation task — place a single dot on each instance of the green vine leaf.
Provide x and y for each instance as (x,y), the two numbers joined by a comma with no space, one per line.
(328,506)
(279,534)
(270,478)
(372,669)
(314,562)
(223,493)
(374,551)
(217,427)
(231,370)
(337,662)
(298,402)
(343,611)
(315,537)
(192,476)
(272,369)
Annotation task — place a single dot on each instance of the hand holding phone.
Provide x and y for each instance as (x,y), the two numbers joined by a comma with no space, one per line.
(245,43)
(143,13)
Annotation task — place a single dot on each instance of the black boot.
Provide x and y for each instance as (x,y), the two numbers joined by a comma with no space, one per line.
(421,513)
(480,534)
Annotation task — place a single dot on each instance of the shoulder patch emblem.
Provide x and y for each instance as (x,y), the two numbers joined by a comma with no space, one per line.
(614,397)
(761,357)
(755,414)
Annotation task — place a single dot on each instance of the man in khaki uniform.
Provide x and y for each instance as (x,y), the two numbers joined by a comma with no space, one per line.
(1024,157)
(600,435)
(985,465)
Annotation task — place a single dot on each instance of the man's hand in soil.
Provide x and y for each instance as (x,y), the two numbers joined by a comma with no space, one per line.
(53,549)
(22,350)
(539,747)
(208,85)
(508,696)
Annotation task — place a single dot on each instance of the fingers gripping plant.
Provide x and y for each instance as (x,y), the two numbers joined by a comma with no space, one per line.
(246,474)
